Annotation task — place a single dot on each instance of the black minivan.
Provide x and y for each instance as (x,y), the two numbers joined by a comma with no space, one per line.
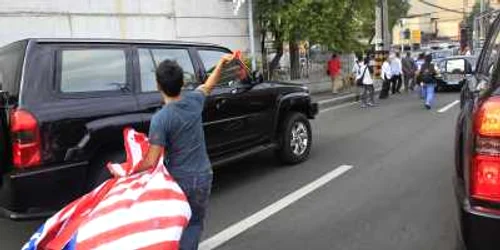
(65,102)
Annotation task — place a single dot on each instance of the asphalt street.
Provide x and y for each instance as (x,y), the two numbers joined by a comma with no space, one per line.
(395,193)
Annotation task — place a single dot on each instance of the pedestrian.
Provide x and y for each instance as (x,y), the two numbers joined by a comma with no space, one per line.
(333,71)
(386,76)
(365,78)
(397,71)
(409,69)
(177,131)
(428,75)
(355,73)
(420,61)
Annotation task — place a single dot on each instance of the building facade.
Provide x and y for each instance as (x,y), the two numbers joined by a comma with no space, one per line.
(212,21)
(438,22)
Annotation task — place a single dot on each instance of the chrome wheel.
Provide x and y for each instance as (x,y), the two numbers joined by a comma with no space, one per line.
(300,138)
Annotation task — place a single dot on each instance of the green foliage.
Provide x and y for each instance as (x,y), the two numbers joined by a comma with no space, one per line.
(335,23)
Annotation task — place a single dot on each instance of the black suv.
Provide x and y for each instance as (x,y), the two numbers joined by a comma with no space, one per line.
(65,102)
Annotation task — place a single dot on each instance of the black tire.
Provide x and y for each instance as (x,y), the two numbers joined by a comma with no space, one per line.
(287,153)
(98,172)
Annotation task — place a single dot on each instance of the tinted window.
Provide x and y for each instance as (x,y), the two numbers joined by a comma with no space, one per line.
(93,70)
(150,58)
(233,74)
(11,64)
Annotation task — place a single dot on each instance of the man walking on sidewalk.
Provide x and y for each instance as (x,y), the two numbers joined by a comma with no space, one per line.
(409,69)
(365,77)
(386,75)
(334,67)
(355,74)
(397,71)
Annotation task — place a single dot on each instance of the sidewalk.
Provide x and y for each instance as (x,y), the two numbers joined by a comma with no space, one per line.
(327,99)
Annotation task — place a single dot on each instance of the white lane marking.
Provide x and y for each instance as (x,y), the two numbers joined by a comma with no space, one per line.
(240,227)
(337,107)
(449,106)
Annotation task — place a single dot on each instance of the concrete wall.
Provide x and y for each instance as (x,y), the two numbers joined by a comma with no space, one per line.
(190,20)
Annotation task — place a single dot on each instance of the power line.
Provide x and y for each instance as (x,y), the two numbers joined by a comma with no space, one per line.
(441,7)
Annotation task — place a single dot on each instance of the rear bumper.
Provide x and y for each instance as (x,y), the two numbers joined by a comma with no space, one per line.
(479,230)
(39,192)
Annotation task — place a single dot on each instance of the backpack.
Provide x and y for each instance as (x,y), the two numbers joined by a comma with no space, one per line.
(427,73)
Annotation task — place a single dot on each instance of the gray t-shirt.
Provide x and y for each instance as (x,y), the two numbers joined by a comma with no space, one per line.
(178,127)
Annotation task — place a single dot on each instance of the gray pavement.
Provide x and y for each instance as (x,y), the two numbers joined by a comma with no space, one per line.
(398,195)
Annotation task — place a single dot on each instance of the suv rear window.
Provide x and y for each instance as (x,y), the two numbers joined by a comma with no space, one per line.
(11,66)
(92,70)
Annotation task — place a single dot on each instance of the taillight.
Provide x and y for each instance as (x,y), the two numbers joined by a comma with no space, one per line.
(26,145)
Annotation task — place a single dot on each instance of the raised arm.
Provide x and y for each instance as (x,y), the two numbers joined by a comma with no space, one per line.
(215,76)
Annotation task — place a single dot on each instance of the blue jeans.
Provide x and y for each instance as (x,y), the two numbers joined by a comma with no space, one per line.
(429,93)
(197,190)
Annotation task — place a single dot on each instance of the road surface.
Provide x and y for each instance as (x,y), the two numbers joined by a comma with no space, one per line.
(377,178)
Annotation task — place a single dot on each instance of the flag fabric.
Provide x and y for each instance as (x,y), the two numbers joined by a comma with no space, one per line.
(134,211)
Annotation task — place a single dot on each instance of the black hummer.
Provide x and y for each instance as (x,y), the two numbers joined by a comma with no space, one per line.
(65,102)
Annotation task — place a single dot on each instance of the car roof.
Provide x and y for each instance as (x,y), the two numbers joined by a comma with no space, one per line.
(119,41)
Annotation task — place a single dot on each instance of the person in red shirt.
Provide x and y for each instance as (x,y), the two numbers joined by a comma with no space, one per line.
(334,67)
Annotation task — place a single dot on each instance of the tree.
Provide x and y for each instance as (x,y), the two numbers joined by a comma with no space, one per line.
(337,24)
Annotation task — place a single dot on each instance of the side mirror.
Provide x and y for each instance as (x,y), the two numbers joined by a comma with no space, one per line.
(257,77)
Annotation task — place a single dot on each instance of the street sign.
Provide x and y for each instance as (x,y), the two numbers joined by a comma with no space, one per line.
(416,36)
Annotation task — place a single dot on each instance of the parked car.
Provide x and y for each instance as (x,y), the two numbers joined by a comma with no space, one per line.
(65,102)
(477,151)
(453,70)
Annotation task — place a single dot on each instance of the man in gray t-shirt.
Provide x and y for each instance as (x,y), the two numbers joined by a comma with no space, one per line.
(177,131)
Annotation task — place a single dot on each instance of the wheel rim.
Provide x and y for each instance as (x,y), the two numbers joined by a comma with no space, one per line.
(300,138)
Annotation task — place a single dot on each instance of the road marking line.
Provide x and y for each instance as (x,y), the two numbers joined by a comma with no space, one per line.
(449,106)
(337,107)
(245,224)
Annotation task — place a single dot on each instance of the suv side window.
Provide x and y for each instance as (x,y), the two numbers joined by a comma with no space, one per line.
(93,70)
(149,59)
(232,75)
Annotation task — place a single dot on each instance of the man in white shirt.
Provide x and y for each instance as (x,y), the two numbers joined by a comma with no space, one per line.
(397,71)
(355,73)
(386,75)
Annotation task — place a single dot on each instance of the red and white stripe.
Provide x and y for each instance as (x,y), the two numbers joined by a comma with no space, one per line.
(140,211)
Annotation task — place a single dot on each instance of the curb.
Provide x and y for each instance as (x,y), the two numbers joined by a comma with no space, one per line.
(323,104)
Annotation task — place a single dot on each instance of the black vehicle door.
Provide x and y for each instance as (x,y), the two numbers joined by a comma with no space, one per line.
(91,101)
(149,57)
(239,112)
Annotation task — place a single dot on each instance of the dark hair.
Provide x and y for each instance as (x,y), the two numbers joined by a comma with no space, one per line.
(359,58)
(397,54)
(367,60)
(408,54)
(170,78)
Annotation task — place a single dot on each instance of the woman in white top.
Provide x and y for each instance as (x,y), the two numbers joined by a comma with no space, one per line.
(365,76)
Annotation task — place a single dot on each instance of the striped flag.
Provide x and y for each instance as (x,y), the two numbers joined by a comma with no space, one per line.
(141,211)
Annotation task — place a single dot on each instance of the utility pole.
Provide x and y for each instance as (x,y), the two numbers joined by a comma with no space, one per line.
(481,23)
(252,36)
(382,38)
